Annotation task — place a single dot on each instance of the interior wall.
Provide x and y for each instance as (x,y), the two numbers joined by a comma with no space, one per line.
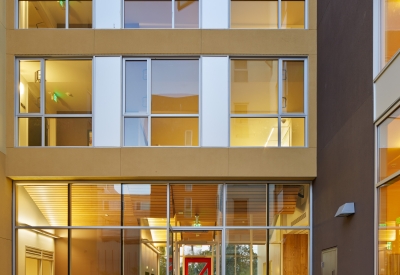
(345,153)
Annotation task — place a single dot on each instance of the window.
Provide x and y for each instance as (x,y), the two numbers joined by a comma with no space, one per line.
(54,102)
(275,14)
(390,29)
(161,102)
(55,14)
(161,14)
(268,102)
(389,146)
(38,262)
(227,228)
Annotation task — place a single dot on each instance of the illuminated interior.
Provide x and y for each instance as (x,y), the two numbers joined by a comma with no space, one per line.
(389,145)
(51,14)
(131,227)
(255,106)
(389,227)
(67,91)
(390,29)
(264,14)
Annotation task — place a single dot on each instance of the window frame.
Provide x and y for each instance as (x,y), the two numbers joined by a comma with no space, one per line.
(280,114)
(42,114)
(16,15)
(279,17)
(172,16)
(148,114)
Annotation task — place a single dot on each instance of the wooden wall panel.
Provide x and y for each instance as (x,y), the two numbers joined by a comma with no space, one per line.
(295,254)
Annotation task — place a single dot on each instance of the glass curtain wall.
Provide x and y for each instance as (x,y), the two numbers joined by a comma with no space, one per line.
(159,228)
(390,29)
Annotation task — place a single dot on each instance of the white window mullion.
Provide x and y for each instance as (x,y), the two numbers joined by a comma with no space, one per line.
(42,98)
(173,14)
(149,76)
(280,79)
(279,14)
(66,14)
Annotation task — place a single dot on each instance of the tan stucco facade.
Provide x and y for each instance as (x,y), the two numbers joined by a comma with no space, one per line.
(146,163)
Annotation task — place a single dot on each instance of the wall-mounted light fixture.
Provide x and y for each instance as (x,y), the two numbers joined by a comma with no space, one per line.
(345,210)
(38,76)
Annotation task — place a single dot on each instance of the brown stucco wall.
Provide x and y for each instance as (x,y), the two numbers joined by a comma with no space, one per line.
(345,136)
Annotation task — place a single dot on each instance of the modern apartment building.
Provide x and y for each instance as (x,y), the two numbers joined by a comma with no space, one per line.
(158,137)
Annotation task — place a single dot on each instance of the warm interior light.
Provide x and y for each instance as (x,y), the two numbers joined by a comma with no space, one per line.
(269,137)
(41,232)
(21,89)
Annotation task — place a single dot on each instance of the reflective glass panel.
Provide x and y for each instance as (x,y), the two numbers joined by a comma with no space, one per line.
(148,14)
(136,131)
(254,86)
(42,205)
(389,145)
(41,251)
(95,205)
(174,131)
(254,132)
(144,249)
(30,131)
(68,87)
(292,131)
(196,205)
(186,14)
(41,14)
(69,131)
(292,14)
(389,226)
(96,251)
(293,87)
(254,14)
(175,87)
(136,86)
(246,205)
(80,14)
(289,205)
(29,86)
(390,29)
(144,204)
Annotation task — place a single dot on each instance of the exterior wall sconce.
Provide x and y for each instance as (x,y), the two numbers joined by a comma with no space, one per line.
(345,210)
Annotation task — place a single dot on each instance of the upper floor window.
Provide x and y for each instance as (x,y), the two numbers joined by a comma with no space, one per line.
(271,14)
(390,29)
(55,14)
(267,102)
(161,102)
(389,146)
(54,102)
(161,14)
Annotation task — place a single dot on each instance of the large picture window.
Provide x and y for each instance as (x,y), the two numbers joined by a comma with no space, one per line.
(54,102)
(268,102)
(162,228)
(161,14)
(390,29)
(161,102)
(54,14)
(267,14)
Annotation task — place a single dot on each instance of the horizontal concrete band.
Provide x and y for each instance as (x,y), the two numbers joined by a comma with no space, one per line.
(161,163)
(152,42)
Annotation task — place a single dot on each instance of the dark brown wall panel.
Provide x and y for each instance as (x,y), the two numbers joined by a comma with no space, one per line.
(345,151)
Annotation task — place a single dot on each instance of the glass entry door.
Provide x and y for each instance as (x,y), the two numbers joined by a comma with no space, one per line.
(197,252)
